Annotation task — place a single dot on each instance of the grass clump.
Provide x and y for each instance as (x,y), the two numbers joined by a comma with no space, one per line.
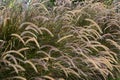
(62,42)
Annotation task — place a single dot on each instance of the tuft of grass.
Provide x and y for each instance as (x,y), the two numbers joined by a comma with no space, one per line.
(60,42)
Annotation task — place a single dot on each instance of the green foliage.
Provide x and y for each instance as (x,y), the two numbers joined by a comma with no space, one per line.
(61,42)
(108,2)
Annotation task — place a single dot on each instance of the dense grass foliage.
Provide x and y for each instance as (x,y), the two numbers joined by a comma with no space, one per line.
(60,42)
